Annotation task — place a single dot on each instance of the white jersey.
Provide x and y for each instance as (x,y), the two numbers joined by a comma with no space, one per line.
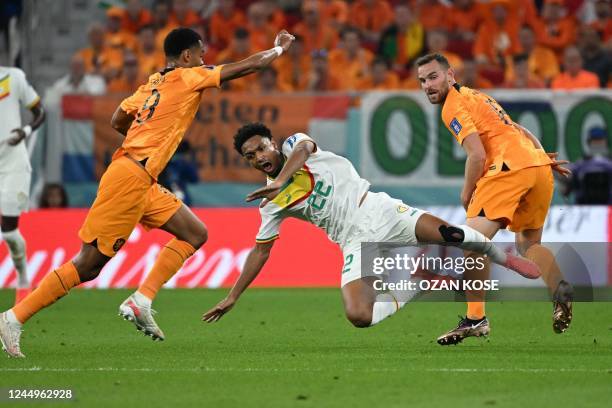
(15,91)
(325,192)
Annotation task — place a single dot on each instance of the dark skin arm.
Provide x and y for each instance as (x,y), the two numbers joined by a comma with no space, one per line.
(254,263)
(121,121)
(474,166)
(255,62)
(38,114)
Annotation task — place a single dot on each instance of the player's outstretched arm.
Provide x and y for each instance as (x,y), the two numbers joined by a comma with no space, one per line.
(38,117)
(257,61)
(296,161)
(254,263)
(557,164)
(121,121)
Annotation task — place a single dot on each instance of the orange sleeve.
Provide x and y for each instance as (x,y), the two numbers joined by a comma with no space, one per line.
(200,78)
(131,104)
(457,120)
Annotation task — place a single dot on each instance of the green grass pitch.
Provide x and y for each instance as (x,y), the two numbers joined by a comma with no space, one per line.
(293,347)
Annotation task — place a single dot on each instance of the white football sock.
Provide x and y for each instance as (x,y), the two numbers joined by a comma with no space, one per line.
(385,306)
(141,299)
(477,242)
(17,249)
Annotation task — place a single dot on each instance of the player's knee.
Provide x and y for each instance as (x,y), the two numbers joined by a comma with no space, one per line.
(359,316)
(198,236)
(451,234)
(86,272)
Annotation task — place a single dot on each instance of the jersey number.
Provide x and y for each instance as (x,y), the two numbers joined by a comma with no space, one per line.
(503,116)
(151,108)
(319,193)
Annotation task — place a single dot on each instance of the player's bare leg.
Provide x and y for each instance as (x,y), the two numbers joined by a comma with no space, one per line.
(55,285)
(190,234)
(529,244)
(17,248)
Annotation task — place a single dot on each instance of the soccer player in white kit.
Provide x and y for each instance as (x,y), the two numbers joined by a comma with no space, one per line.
(324,189)
(15,169)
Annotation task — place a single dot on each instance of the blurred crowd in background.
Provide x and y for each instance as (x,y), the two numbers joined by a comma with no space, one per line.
(359,45)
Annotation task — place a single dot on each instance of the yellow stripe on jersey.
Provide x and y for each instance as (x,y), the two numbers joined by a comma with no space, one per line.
(5,86)
(266,240)
(33,103)
(297,189)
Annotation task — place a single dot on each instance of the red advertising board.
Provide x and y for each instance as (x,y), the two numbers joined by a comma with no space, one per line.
(303,256)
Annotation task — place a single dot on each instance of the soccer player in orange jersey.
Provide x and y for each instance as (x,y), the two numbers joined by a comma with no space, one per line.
(508,183)
(154,120)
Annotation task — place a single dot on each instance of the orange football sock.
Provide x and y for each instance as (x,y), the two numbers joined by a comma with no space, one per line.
(53,287)
(475,310)
(543,257)
(169,261)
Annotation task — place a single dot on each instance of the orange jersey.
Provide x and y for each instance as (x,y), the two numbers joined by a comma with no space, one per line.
(468,111)
(163,109)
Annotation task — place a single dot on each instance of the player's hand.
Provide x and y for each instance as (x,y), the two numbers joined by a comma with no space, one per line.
(268,192)
(218,311)
(557,165)
(17,136)
(284,39)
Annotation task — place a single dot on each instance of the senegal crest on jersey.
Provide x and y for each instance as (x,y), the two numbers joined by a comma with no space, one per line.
(5,86)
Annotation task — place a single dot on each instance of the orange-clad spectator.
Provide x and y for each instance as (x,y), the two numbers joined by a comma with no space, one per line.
(276,16)
(351,62)
(260,33)
(411,82)
(521,11)
(468,75)
(523,78)
(497,37)
(437,42)
(316,33)
(224,22)
(320,78)
(115,36)
(432,14)
(135,16)
(183,15)
(150,59)
(380,77)
(464,18)
(335,13)
(130,78)
(293,68)
(573,76)
(403,41)
(267,82)
(595,58)
(371,17)
(542,61)
(98,57)
(555,30)
(161,22)
(603,19)
(239,49)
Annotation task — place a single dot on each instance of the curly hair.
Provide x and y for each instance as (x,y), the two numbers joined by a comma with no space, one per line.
(248,131)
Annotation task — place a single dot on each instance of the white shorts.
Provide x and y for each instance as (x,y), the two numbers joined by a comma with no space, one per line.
(379,219)
(14,193)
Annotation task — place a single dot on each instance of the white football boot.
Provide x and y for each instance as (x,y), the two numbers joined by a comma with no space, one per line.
(10,333)
(139,312)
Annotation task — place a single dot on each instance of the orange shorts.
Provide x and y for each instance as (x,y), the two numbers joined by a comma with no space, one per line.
(127,195)
(520,199)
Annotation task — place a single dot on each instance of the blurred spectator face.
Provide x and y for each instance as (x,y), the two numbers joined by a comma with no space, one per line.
(53,196)
(96,37)
(242,45)
(146,39)
(267,79)
(572,61)
(369,3)
(598,142)
(226,7)
(310,12)
(403,17)
(113,24)
(297,48)
(589,39)
(527,39)
(463,4)
(351,42)
(319,61)
(133,8)
(160,14)
(500,13)
(552,12)
(437,41)
(469,73)
(379,72)
(180,7)
(77,68)
(258,17)
(603,9)
(130,67)
(521,70)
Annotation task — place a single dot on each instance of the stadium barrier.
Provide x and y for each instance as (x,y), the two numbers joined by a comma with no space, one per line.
(302,257)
